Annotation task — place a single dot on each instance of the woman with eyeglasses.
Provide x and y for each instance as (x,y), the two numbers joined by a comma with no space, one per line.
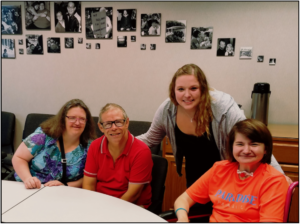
(39,158)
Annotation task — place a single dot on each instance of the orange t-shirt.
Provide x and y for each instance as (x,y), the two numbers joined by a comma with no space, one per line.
(260,198)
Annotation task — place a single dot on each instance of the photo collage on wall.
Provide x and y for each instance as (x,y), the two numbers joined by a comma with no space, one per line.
(99,25)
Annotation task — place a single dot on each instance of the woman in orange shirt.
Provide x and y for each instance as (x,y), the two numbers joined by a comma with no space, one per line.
(244,188)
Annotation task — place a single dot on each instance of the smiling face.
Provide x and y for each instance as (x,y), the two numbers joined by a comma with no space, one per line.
(229,48)
(71,8)
(115,135)
(222,45)
(59,16)
(247,152)
(187,91)
(75,128)
(42,6)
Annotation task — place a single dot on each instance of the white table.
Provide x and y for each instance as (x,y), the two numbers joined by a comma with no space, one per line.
(68,204)
(13,193)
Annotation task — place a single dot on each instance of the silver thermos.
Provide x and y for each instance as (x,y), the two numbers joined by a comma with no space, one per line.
(260,102)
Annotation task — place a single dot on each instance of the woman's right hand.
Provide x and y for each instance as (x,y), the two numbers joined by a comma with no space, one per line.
(32,183)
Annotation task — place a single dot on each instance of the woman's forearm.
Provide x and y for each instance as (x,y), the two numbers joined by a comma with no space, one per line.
(21,167)
(76,183)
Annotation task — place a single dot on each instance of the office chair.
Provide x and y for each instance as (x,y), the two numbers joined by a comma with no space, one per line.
(159,173)
(289,200)
(7,139)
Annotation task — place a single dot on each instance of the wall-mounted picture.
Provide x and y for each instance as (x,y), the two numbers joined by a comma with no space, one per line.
(98,22)
(126,20)
(69,42)
(201,37)
(80,40)
(37,15)
(20,41)
(246,52)
(152,46)
(34,44)
(260,58)
(143,46)
(88,45)
(8,48)
(272,61)
(150,24)
(53,45)
(11,20)
(67,16)
(122,41)
(226,46)
(175,31)
(133,38)
(97,46)
(21,51)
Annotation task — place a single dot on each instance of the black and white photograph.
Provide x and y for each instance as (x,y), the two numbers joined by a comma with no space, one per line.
(21,51)
(38,15)
(8,48)
(69,42)
(67,16)
(143,46)
(126,20)
(201,37)
(246,52)
(133,38)
(98,22)
(150,24)
(20,41)
(88,45)
(152,46)
(260,58)
(34,44)
(97,46)
(272,61)
(226,47)
(53,45)
(122,41)
(175,31)
(80,40)
(11,20)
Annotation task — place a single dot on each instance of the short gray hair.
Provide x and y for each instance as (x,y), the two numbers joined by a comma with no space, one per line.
(110,106)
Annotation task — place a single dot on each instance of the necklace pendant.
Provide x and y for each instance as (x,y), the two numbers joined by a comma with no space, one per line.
(242,174)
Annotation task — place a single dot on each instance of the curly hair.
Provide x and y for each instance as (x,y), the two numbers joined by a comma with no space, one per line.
(55,125)
(203,115)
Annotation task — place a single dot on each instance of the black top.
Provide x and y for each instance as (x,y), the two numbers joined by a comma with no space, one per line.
(200,153)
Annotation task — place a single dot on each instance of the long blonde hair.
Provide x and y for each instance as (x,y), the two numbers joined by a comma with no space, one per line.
(203,115)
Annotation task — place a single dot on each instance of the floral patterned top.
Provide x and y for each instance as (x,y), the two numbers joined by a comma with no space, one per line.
(46,164)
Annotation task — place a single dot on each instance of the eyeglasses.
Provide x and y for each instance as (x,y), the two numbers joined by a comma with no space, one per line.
(74,119)
(118,123)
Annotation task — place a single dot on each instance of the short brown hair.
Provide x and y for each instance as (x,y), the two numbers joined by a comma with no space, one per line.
(256,131)
(55,125)
(203,115)
(108,107)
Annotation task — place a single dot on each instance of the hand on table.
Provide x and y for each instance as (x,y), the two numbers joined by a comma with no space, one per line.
(53,183)
(32,183)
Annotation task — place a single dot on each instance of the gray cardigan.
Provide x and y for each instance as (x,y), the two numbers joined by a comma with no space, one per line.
(225,114)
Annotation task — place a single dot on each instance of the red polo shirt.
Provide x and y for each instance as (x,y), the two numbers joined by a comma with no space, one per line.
(134,165)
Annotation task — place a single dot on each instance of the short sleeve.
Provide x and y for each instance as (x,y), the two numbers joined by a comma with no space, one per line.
(199,191)
(91,166)
(272,199)
(35,142)
(141,169)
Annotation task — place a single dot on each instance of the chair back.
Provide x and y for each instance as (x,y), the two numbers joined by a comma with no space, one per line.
(159,173)
(33,121)
(288,200)
(7,132)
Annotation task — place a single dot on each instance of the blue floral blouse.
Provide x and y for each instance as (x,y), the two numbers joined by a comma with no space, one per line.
(46,164)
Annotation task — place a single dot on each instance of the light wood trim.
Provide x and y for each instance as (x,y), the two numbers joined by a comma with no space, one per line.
(290,168)
(284,131)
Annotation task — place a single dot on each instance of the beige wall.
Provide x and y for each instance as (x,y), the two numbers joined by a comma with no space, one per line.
(138,80)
